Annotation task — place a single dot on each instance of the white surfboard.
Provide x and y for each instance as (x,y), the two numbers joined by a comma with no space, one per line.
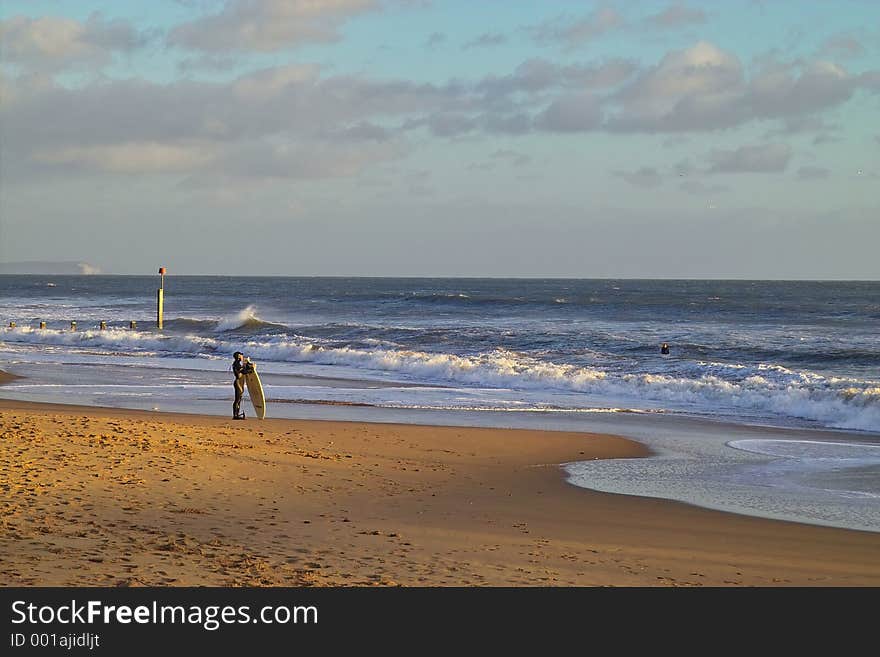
(255,392)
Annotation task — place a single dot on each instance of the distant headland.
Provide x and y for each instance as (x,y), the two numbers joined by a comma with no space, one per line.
(59,268)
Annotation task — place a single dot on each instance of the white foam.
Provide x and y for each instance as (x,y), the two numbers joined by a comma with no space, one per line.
(810,449)
(113,338)
(764,389)
(240,319)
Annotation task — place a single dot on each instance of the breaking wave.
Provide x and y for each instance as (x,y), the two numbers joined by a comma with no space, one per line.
(245,320)
(836,402)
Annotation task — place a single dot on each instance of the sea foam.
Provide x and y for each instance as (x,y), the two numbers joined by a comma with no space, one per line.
(763,389)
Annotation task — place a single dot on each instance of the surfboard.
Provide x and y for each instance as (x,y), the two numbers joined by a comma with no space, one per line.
(255,391)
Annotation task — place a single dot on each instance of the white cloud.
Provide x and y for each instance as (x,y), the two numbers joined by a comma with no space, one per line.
(286,112)
(572,33)
(434,40)
(131,157)
(705,88)
(487,40)
(703,75)
(268,84)
(675,16)
(268,25)
(54,42)
(538,74)
(779,91)
(842,45)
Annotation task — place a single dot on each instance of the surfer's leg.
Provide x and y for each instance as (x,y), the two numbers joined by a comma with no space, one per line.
(236,405)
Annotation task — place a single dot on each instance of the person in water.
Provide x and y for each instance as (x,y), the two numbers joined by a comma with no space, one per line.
(664,348)
(238,371)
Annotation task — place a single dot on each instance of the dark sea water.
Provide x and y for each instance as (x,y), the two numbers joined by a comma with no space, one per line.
(798,356)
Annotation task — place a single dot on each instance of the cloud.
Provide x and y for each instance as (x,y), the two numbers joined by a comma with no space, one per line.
(511,124)
(211,62)
(131,126)
(451,125)
(130,157)
(435,39)
(779,91)
(487,40)
(812,173)
(799,124)
(54,43)
(870,80)
(705,88)
(766,158)
(644,177)
(538,74)
(288,112)
(842,45)
(268,84)
(572,113)
(675,16)
(304,159)
(823,132)
(362,131)
(138,123)
(268,25)
(702,82)
(572,33)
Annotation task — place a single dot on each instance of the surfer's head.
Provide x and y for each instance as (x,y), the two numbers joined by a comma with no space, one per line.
(237,355)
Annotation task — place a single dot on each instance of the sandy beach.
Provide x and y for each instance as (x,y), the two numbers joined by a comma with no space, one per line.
(94,496)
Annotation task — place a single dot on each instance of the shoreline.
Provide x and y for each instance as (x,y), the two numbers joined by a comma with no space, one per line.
(106,496)
(632,480)
(6,377)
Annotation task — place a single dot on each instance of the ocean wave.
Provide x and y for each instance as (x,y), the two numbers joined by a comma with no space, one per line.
(836,402)
(483,408)
(809,449)
(138,342)
(184,324)
(246,320)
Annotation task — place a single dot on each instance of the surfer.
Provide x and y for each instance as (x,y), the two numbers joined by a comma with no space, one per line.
(238,384)
(664,348)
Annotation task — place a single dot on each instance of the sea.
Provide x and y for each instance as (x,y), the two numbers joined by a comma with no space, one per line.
(768,402)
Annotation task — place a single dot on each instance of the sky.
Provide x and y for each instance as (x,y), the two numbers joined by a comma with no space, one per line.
(637,139)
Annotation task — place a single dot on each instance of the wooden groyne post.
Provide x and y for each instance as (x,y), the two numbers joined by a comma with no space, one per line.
(160,298)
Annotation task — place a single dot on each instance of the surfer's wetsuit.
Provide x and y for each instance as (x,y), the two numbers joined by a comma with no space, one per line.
(238,384)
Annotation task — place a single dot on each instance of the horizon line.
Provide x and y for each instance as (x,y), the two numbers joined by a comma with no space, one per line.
(470,277)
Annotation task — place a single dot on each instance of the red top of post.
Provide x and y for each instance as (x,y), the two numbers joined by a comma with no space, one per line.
(162,270)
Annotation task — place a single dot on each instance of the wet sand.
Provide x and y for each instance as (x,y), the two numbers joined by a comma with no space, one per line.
(95,496)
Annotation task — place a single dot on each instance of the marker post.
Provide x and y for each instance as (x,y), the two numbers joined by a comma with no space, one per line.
(160,298)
